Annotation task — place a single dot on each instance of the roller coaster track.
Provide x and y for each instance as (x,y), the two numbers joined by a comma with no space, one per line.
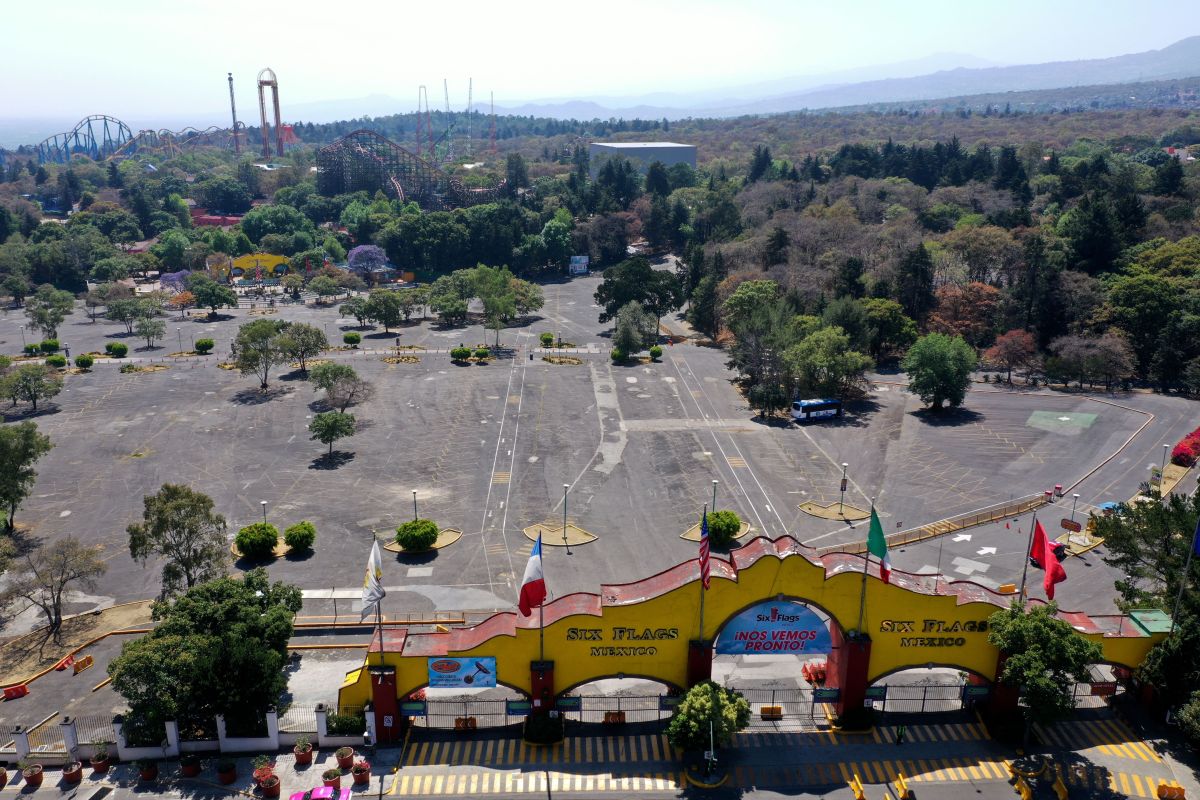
(96,137)
(172,143)
(365,160)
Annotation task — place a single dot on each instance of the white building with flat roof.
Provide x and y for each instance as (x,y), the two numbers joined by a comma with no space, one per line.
(643,154)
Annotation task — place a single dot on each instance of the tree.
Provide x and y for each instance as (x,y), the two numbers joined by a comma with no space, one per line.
(493,286)
(349,391)
(150,330)
(1168,177)
(30,383)
(1140,305)
(824,363)
(323,376)
(210,294)
(1044,657)
(635,280)
(967,311)
(330,426)
(42,578)
(128,311)
(776,249)
(747,298)
(516,173)
(220,648)
(1013,349)
(634,327)
(702,311)
(20,448)
(324,286)
(915,279)
(366,257)
(939,369)
(48,308)
(657,181)
(225,193)
(179,526)
(301,342)
(708,713)
(356,307)
(104,294)
(258,348)
(384,306)
(527,297)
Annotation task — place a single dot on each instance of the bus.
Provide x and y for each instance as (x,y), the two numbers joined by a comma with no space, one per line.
(803,410)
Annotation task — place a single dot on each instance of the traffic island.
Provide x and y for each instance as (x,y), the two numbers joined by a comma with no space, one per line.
(446,537)
(553,536)
(692,534)
(703,776)
(838,512)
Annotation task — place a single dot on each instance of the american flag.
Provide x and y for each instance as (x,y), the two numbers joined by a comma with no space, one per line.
(705,571)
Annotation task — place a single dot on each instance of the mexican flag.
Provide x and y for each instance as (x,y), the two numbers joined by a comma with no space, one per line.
(877,546)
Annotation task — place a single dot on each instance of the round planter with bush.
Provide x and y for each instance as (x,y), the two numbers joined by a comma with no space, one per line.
(547,339)
(345,757)
(32,773)
(116,349)
(226,771)
(189,765)
(481,354)
(351,338)
(257,541)
(49,346)
(147,769)
(203,346)
(72,773)
(656,352)
(723,527)
(617,355)
(57,360)
(460,354)
(332,778)
(300,537)
(361,772)
(303,750)
(84,361)
(417,535)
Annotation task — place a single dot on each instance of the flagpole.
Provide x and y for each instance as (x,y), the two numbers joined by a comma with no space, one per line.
(1187,565)
(1028,548)
(542,605)
(703,518)
(862,597)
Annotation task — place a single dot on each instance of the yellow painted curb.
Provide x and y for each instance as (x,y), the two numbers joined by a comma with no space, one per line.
(552,535)
(699,784)
(845,511)
(446,537)
(280,550)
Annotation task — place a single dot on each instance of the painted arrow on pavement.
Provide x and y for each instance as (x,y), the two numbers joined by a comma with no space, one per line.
(963,537)
(987,551)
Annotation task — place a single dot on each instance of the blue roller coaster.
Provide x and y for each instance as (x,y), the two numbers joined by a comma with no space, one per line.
(96,137)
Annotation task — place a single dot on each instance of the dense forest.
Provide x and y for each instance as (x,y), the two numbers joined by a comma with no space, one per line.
(1066,245)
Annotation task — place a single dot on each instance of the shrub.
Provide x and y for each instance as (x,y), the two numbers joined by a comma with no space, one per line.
(32,350)
(1186,452)
(84,361)
(351,338)
(417,534)
(49,346)
(460,353)
(56,360)
(617,356)
(300,536)
(116,349)
(547,339)
(656,352)
(482,353)
(345,724)
(723,527)
(708,710)
(257,540)
(204,345)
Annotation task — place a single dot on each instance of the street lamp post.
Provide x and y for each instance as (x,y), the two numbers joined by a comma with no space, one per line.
(23,345)
(714,504)
(566,541)
(1162,473)
(1074,500)
(414,505)
(263,503)
(179,338)
(842,501)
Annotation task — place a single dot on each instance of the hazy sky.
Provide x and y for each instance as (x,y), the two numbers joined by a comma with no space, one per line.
(139,58)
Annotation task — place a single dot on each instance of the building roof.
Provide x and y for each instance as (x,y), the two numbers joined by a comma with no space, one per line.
(635,145)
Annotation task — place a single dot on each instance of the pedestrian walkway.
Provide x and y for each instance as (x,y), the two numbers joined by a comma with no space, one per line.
(931,770)
(1111,736)
(949,732)
(494,752)
(1098,780)
(465,782)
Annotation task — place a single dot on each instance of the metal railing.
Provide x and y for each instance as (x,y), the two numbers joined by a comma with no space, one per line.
(637,708)
(92,727)
(992,513)
(299,719)
(444,714)
(923,698)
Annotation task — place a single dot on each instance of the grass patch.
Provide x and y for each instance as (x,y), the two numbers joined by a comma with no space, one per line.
(401,360)
(565,361)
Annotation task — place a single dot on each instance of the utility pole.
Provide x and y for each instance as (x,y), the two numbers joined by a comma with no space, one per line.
(842,500)
(566,541)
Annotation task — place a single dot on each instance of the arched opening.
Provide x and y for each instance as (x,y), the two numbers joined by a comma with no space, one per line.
(774,652)
(1106,681)
(455,708)
(932,688)
(620,698)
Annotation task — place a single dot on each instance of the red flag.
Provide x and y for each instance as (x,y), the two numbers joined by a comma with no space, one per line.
(1043,552)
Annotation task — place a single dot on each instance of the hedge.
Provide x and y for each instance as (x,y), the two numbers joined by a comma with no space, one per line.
(56,360)
(116,349)
(49,346)
(417,534)
(300,536)
(257,540)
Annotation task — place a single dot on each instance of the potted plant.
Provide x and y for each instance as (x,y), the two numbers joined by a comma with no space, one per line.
(189,765)
(31,771)
(147,769)
(100,760)
(3,777)
(262,768)
(332,778)
(345,757)
(303,750)
(72,772)
(270,786)
(362,773)
(226,771)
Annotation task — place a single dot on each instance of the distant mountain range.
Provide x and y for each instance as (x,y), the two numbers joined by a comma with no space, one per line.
(940,76)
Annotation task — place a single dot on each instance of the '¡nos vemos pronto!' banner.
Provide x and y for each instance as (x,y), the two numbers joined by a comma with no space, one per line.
(775,627)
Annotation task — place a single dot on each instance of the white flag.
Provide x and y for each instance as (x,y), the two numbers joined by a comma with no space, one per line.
(373,583)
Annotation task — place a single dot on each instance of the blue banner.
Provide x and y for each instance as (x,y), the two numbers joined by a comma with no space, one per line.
(775,627)
(462,673)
